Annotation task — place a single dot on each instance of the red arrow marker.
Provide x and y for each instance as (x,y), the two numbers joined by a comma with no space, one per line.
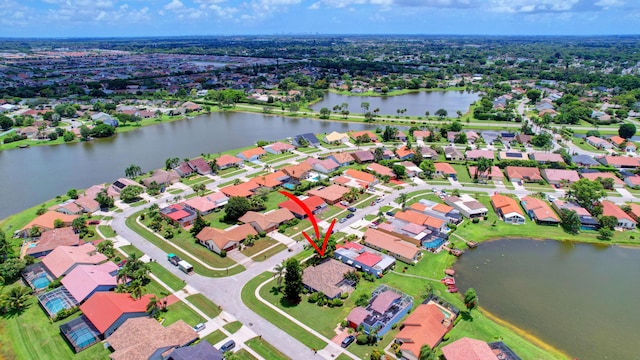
(314,222)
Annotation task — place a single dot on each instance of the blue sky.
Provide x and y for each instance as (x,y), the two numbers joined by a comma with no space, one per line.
(80,18)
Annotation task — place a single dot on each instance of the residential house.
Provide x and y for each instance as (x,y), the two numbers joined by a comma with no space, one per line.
(584,160)
(85,280)
(199,165)
(439,210)
(314,203)
(363,258)
(467,206)
(69,207)
(386,307)
(226,161)
(629,147)
(445,169)
(63,259)
(218,240)
(428,153)
(88,204)
(625,221)
(162,177)
(370,136)
(146,338)
(594,175)
(331,194)
(523,139)
(494,173)
(381,170)
(476,154)
(363,156)
(46,222)
(411,169)
(267,222)
(119,185)
(29,131)
(489,136)
(107,311)
(452,153)
(200,351)
(560,176)
(245,189)
(271,180)
(335,138)
(598,143)
(632,181)
(404,153)
(507,208)
(547,158)
(433,223)
(635,211)
(252,154)
(421,135)
(620,162)
(341,158)
(539,211)
(587,222)
(472,349)
(278,148)
(513,155)
(325,166)
(307,139)
(472,136)
(297,172)
(328,278)
(400,136)
(426,325)
(180,214)
(361,178)
(51,239)
(617,141)
(206,204)
(520,173)
(393,245)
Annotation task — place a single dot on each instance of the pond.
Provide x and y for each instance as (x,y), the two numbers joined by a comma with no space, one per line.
(579,298)
(416,103)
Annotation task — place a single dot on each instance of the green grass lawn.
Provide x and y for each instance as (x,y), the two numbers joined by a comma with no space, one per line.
(176,191)
(233,327)
(174,282)
(107,231)
(269,253)
(258,246)
(243,354)
(215,337)
(179,311)
(586,146)
(462,173)
(265,349)
(249,299)
(205,305)
(130,250)
(198,268)
(154,288)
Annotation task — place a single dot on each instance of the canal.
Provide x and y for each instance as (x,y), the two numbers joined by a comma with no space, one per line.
(34,175)
(416,103)
(579,298)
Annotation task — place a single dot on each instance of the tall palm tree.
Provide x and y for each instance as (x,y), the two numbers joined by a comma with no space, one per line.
(279,272)
(402,200)
(106,248)
(16,299)
(152,306)
(136,289)
(132,171)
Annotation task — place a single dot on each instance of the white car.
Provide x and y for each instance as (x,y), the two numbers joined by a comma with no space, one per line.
(200,327)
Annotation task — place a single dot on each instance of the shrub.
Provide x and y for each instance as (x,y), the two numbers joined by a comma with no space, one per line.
(344,323)
(223,253)
(345,295)
(362,339)
(54,284)
(337,302)
(65,313)
(475,220)
(452,226)
(313,297)
(394,326)
(262,234)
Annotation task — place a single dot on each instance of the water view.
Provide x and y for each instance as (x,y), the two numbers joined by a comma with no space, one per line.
(416,103)
(31,176)
(579,298)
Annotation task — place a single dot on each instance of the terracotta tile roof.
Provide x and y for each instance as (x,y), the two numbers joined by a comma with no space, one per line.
(297,171)
(312,202)
(226,160)
(63,258)
(360,175)
(635,210)
(403,151)
(444,168)
(342,157)
(270,180)
(521,172)
(506,204)
(418,207)
(357,315)
(420,219)
(540,208)
(140,338)
(617,140)
(620,161)
(49,240)
(355,134)
(242,190)
(355,246)
(268,220)
(423,326)
(476,154)
(381,170)
(390,243)
(368,258)
(249,153)
(560,174)
(468,349)
(47,219)
(87,203)
(442,208)
(280,146)
(421,134)
(207,203)
(326,276)
(104,308)
(330,193)
(603,175)
(547,157)
(93,191)
(223,238)
(611,209)
(84,279)
(70,207)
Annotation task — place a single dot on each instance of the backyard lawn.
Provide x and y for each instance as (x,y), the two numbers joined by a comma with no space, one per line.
(258,246)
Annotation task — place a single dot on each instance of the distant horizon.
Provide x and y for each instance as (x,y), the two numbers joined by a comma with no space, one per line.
(44,19)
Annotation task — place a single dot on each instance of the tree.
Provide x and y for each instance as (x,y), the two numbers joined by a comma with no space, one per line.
(130,193)
(58,223)
(279,272)
(5,122)
(199,188)
(455,126)
(570,221)
(425,353)
(68,136)
(442,113)
(325,113)
(132,171)
(542,140)
(10,269)
(85,132)
(72,194)
(198,224)
(16,299)
(389,133)
(79,225)
(460,138)
(428,167)
(235,208)
(152,306)
(627,130)
(106,247)
(365,106)
(605,233)
(171,163)
(470,299)
(399,171)
(534,95)
(104,199)
(609,222)
(402,199)
(378,154)
(293,281)
(587,193)
(483,166)
(102,131)
(375,355)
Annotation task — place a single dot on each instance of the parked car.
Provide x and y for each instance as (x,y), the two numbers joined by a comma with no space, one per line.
(347,341)
(389,213)
(349,216)
(378,200)
(199,327)
(121,263)
(342,220)
(344,203)
(352,209)
(228,346)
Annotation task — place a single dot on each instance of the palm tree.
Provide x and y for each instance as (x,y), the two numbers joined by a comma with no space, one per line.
(106,248)
(402,200)
(152,306)
(136,289)
(16,299)
(483,166)
(132,171)
(279,272)
(425,353)
(352,195)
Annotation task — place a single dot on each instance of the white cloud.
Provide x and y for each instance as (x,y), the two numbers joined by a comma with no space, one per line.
(174,5)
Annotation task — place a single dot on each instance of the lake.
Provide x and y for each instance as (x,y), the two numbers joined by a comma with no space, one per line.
(34,175)
(416,103)
(580,298)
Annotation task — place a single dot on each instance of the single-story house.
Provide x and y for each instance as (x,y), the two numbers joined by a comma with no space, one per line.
(420,218)
(428,153)
(328,278)
(393,245)
(546,158)
(252,154)
(386,307)
(621,162)
(335,137)
(363,156)
(341,158)
(199,165)
(47,220)
(178,213)
(271,180)
(297,172)
(411,169)
(444,169)
(218,240)
(85,280)
(599,143)
(587,222)
(364,179)
(107,311)
(426,325)
(51,239)
(245,189)
(467,205)
(267,222)
(365,133)
(87,204)
(201,350)
(278,148)
(472,349)
(226,161)
(521,173)
(331,194)
(632,181)
(381,170)
(421,134)
(617,141)
(63,259)
(630,147)
(452,153)
(494,173)
(69,208)
(523,139)
(162,177)
(558,176)
(314,203)
(539,211)
(325,166)
(309,139)
(507,208)
(584,160)
(404,153)
(625,221)
(363,258)
(513,155)
(122,183)
(617,183)
(206,204)
(476,154)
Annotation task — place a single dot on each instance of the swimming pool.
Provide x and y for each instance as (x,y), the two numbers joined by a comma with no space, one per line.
(289,186)
(32,245)
(82,337)
(433,244)
(55,305)
(41,281)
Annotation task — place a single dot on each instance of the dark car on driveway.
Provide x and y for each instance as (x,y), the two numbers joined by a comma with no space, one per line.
(347,341)
(349,216)
(352,209)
